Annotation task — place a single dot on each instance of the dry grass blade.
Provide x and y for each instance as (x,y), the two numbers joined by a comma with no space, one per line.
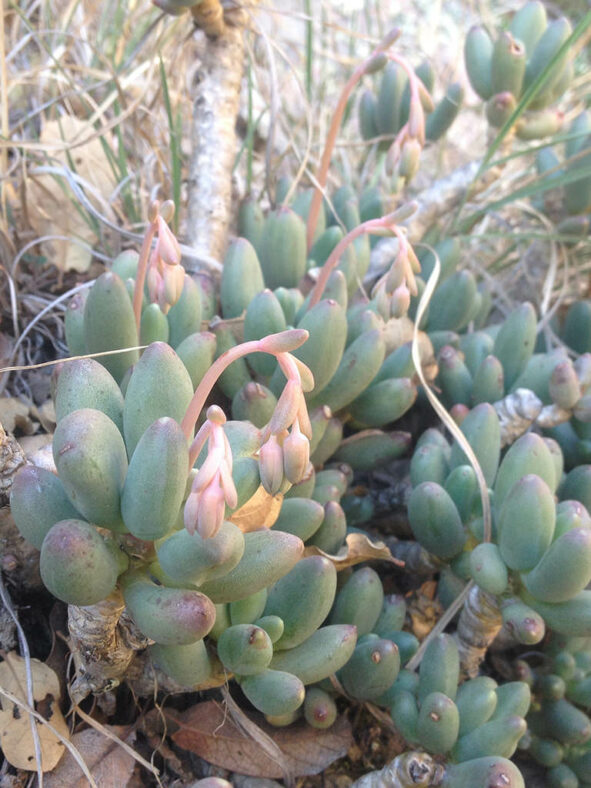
(251,729)
(44,364)
(110,735)
(439,627)
(74,752)
(447,420)
(459,436)
(27,657)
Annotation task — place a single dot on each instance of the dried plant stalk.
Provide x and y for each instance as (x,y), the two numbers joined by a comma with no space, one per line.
(209,16)
(11,459)
(103,644)
(523,409)
(409,770)
(416,559)
(213,138)
(479,624)
(445,194)
(517,412)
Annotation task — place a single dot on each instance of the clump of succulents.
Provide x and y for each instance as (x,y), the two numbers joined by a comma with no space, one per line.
(382,115)
(316,363)
(503,70)
(559,729)
(576,192)
(510,543)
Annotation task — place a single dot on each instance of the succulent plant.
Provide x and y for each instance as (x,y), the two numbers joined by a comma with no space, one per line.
(502,71)
(316,359)
(382,115)
(528,556)
(559,729)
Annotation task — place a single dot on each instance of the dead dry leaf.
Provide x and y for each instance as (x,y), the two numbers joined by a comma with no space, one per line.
(37,449)
(357,548)
(208,731)
(15,727)
(108,763)
(424,609)
(45,414)
(14,413)
(260,511)
(50,201)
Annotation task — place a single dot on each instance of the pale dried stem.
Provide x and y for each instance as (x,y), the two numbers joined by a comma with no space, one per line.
(444,196)
(213,140)
(479,624)
(4,119)
(405,771)
(12,457)
(209,16)
(103,643)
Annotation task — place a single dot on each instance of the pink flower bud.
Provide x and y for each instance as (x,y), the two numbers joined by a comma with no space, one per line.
(153,209)
(305,374)
(410,158)
(212,506)
(210,467)
(287,407)
(382,300)
(400,301)
(174,280)
(395,276)
(167,245)
(296,454)
(216,414)
(167,211)
(154,283)
(416,120)
(228,486)
(285,341)
(303,419)
(271,465)
(191,512)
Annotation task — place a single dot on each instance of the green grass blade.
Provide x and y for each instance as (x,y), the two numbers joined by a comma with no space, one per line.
(175,153)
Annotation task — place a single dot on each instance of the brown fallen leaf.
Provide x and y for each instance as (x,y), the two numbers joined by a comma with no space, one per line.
(37,449)
(110,765)
(14,413)
(208,730)
(260,511)
(15,727)
(357,548)
(45,414)
(424,609)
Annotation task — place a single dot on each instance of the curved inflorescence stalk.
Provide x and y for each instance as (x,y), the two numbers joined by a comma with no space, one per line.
(374,61)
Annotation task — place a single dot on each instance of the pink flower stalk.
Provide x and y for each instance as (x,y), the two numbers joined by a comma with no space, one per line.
(405,151)
(166,276)
(385,225)
(394,289)
(285,454)
(368,66)
(213,486)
